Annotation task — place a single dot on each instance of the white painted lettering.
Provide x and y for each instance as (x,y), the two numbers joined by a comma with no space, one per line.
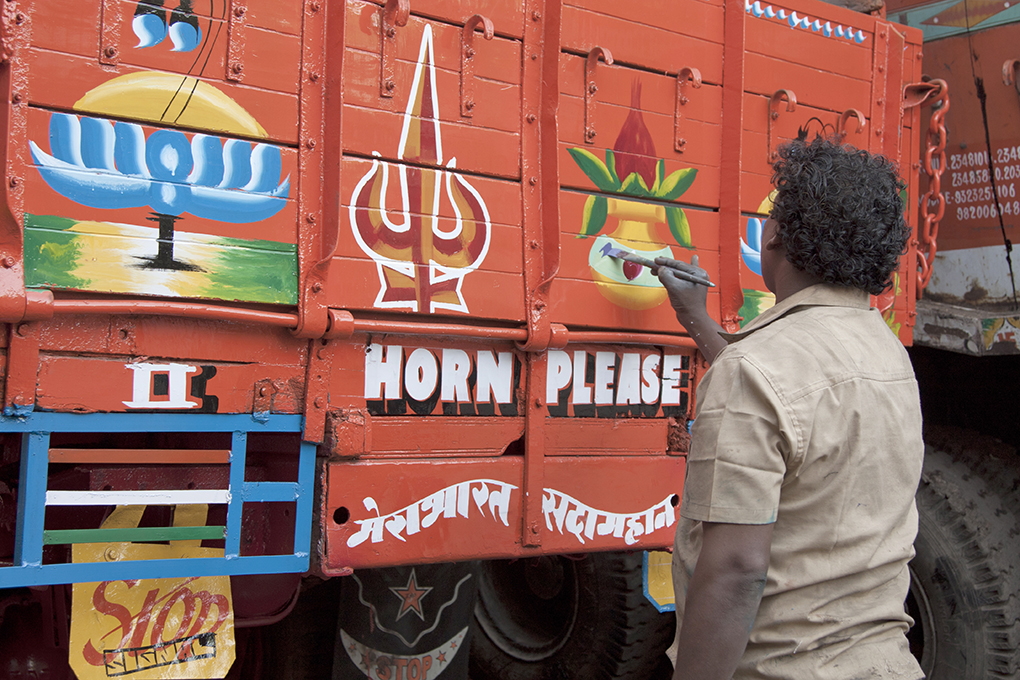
(581,393)
(557,375)
(421,374)
(382,367)
(495,376)
(628,384)
(604,363)
(671,379)
(456,369)
(650,379)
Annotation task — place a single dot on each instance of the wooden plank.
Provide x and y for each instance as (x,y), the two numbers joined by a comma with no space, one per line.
(777,39)
(812,86)
(486,294)
(497,102)
(133,535)
(649,47)
(577,437)
(425,436)
(484,151)
(141,456)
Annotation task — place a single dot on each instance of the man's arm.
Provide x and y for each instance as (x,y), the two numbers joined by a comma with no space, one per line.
(722,600)
(689,302)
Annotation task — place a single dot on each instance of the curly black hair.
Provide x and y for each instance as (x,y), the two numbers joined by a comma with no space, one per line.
(839,213)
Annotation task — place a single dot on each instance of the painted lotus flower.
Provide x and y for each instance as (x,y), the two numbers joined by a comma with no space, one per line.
(750,249)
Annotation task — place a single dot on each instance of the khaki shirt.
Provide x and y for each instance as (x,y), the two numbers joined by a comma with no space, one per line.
(810,419)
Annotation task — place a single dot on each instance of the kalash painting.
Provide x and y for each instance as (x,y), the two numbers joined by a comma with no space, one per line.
(146,209)
(631,171)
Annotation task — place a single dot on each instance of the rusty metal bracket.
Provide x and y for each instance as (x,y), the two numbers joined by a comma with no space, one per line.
(393,14)
(1010,72)
(262,398)
(467,61)
(109,32)
(685,74)
(791,105)
(236,22)
(590,88)
(845,117)
(22,369)
(320,362)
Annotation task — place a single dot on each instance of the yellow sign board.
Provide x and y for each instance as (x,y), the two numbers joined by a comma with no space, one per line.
(658,577)
(151,629)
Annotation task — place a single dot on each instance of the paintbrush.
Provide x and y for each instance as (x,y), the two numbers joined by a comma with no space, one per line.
(621,254)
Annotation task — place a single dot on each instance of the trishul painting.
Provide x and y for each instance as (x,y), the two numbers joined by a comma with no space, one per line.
(422,259)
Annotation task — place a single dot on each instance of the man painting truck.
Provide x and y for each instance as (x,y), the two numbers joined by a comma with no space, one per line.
(297,292)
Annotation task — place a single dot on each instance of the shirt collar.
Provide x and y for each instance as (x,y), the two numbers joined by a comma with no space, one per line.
(819,295)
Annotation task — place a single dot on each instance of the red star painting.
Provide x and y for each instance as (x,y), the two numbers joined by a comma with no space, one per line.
(411,596)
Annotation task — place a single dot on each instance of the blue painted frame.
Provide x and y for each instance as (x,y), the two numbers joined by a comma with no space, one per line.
(28,569)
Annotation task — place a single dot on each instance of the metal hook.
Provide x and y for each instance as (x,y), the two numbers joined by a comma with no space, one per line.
(1010,69)
(393,14)
(467,61)
(774,102)
(694,76)
(844,118)
(591,87)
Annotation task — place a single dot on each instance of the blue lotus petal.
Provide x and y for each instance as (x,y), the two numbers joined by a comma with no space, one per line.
(236,164)
(97,142)
(88,187)
(752,258)
(754,231)
(129,150)
(184,36)
(150,29)
(208,154)
(168,155)
(65,138)
(235,207)
(266,166)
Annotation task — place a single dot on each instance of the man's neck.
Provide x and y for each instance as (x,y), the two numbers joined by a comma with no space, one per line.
(789,280)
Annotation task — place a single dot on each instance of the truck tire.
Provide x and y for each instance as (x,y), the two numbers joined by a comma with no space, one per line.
(966,574)
(300,646)
(557,618)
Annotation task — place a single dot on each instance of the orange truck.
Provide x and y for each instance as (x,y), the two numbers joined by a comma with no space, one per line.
(297,293)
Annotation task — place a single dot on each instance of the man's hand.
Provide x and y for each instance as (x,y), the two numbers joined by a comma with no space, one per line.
(722,600)
(689,301)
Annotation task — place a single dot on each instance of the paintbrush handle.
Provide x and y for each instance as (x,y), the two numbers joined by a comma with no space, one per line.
(679,273)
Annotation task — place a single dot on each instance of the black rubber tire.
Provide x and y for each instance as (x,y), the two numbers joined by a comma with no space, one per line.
(557,618)
(300,646)
(965,578)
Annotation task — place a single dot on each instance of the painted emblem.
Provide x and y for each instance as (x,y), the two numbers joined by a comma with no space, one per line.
(379,665)
(410,596)
(421,259)
(632,171)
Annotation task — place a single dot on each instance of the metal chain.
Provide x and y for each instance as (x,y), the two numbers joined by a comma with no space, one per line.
(928,230)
